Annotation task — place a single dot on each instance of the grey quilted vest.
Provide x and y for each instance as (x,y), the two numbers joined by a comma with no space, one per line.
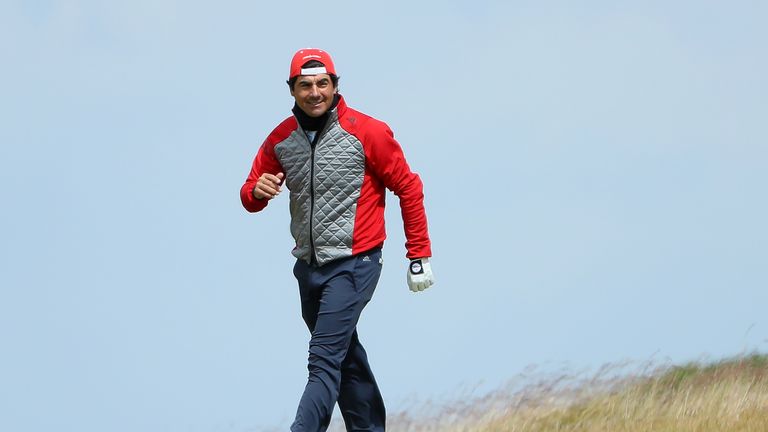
(324,185)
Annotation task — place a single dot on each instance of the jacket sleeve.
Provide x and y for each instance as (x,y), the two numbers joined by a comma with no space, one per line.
(389,165)
(264,162)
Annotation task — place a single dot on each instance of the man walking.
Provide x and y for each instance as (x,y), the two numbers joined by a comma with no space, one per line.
(337,162)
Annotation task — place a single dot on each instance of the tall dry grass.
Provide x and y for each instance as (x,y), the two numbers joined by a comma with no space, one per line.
(729,395)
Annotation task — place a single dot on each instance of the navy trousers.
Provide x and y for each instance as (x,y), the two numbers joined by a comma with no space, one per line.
(332,298)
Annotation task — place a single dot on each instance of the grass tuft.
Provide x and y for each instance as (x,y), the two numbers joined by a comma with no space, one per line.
(727,395)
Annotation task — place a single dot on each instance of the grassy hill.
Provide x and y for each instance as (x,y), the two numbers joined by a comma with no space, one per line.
(729,395)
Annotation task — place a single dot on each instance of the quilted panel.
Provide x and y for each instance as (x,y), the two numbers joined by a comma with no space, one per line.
(339,169)
(339,172)
(294,156)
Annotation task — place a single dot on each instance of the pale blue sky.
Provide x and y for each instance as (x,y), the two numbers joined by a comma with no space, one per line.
(595,175)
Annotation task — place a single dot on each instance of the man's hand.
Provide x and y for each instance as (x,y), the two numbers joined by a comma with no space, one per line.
(420,275)
(268,186)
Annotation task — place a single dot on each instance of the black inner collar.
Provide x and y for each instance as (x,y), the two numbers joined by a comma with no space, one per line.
(314,123)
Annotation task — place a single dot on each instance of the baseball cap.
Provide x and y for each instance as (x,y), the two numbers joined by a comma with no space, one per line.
(306,54)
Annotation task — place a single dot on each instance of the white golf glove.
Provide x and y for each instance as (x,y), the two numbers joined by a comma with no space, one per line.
(420,275)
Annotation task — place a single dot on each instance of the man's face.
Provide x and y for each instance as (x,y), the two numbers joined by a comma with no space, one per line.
(314,94)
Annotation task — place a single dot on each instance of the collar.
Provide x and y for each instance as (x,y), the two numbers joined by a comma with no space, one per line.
(317,123)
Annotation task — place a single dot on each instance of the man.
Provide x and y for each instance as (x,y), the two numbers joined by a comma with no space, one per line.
(337,162)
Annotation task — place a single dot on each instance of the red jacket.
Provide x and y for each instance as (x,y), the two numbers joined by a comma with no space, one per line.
(337,186)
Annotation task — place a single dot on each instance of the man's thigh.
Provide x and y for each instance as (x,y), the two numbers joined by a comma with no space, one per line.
(334,297)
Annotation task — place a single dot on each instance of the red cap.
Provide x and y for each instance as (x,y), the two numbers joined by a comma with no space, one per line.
(307,54)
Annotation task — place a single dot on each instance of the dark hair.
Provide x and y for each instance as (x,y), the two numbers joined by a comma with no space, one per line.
(310,64)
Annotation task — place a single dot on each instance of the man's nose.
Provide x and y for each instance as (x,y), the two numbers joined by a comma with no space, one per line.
(314,91)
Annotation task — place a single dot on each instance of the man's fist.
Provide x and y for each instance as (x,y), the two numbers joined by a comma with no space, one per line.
(268,186)
(420,275)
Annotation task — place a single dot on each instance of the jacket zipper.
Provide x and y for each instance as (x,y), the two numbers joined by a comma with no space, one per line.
(313,259)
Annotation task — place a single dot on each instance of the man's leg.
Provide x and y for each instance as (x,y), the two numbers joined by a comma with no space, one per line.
(360,401)
(333,296)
